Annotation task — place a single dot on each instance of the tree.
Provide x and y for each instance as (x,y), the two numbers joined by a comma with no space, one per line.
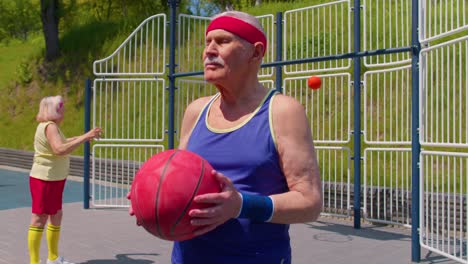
(50,27)
(18,19)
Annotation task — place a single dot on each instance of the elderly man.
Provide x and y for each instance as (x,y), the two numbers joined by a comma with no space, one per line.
(260,145)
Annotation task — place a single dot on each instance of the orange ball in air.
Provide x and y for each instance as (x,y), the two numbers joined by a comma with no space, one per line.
(314,82)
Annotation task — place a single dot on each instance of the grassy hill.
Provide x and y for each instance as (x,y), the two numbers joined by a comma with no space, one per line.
(25,77)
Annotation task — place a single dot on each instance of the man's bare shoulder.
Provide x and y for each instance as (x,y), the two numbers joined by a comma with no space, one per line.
(285,104)
(289,116)
(197,105)
(190,118)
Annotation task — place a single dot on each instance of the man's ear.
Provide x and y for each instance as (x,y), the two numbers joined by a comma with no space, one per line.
(259,51)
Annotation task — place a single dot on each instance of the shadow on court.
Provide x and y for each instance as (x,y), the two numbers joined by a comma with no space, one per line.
(110,236)
(433,258)
(345,233)
(123,259)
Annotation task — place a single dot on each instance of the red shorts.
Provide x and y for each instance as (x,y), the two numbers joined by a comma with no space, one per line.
(46,196)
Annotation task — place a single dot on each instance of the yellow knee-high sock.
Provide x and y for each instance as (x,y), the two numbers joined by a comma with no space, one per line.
(53,236)
(34,243)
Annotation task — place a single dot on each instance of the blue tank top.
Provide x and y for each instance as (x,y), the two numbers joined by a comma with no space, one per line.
(246,154)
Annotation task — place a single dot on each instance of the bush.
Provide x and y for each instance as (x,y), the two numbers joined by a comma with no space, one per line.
(19,18)
(23,72)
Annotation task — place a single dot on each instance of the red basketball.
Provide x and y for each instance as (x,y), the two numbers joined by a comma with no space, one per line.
(314,82)
(163,190)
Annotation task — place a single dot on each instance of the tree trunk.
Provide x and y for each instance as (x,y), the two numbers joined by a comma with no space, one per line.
(123,3)
(109,9)
(50,22)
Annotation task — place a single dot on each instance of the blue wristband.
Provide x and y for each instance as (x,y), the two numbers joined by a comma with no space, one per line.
(256,207)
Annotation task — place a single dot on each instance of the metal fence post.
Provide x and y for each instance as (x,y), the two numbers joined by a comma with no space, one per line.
(279,51)
(86,155)
(172,65)
(357,115)
(415,144)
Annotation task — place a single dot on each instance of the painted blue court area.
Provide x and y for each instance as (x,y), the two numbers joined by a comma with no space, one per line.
(14,190)
(96,236)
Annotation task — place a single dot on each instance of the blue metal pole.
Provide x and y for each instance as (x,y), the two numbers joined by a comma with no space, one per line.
(415,144)
(357,115)
(172,65)
(279,51)
(317,59)
(86,155)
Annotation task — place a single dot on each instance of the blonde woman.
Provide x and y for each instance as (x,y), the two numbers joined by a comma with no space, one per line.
(48,175)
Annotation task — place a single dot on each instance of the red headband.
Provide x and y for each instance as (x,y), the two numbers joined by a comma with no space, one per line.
(240,28)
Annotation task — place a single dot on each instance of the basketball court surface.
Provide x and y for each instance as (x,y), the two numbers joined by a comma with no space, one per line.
(110,236)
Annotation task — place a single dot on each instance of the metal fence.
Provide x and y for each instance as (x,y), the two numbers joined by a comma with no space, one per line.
(140,106)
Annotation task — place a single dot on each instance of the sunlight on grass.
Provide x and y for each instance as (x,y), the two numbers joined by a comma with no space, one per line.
(13,54)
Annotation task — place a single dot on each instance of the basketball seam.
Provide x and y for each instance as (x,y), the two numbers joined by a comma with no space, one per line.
(200,178)
(161,179)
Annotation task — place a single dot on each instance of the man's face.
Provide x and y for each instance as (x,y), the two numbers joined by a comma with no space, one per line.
(226,57)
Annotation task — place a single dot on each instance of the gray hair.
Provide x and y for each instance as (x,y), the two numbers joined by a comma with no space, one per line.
(247,18)
(49,109)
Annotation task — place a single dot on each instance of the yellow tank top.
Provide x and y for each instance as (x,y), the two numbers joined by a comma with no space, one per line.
(46,165)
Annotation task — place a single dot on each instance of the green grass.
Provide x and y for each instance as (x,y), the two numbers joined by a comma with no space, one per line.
(24,79)
(83,43)
(13,54)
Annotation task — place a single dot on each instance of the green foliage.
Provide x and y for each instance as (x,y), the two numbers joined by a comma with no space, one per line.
(318,45)
(23,72)
(19,19)
(90,30)
(85,35)
(97,35)
(256,7)
(201,8)
(13,54)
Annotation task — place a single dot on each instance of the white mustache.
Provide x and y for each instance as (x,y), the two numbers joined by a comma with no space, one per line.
(216,60)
